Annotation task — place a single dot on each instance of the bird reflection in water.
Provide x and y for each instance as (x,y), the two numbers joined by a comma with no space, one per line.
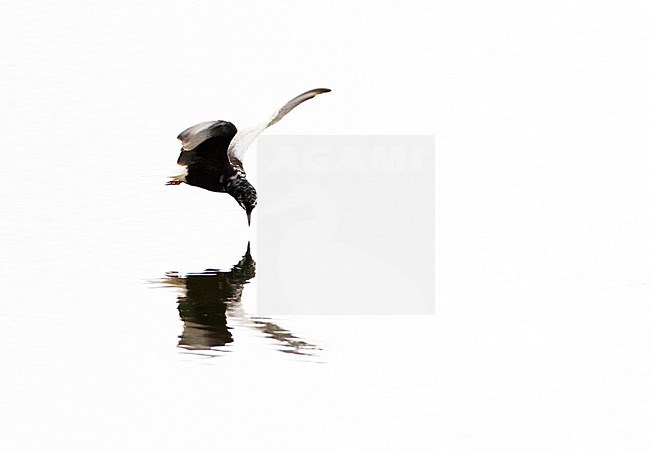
(210,298)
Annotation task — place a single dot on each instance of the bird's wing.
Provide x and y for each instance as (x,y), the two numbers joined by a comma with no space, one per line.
(194,136)
(244,138)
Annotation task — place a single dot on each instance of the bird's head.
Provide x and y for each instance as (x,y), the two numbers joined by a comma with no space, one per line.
(246,197)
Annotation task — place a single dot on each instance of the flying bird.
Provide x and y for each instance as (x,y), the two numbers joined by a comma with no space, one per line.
(213,153)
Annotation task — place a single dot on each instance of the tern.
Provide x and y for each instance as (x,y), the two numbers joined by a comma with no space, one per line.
(213,153)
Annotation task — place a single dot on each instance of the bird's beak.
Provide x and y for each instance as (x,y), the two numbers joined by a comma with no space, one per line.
(248,215)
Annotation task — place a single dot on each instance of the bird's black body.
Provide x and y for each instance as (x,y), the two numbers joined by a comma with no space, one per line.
(210,167)
(212,155)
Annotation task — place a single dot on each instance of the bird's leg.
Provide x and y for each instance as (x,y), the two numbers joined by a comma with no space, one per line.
(174,182)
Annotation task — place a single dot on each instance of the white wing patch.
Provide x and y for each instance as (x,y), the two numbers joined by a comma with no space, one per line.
(243,139)
(180,173)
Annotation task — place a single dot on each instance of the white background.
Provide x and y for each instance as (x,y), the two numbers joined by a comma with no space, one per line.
(540,111)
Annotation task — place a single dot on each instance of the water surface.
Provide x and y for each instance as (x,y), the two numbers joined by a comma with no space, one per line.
(209,304)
